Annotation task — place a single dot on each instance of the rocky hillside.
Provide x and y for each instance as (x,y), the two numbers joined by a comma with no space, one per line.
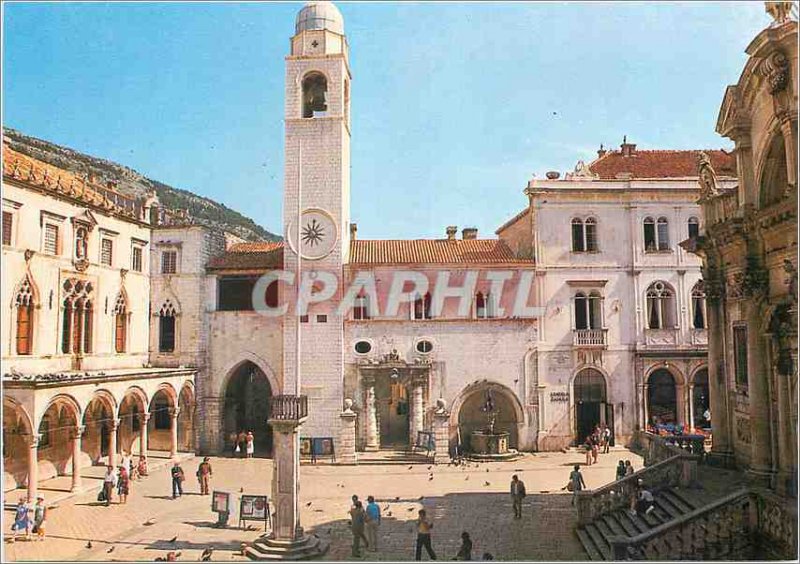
(132,184)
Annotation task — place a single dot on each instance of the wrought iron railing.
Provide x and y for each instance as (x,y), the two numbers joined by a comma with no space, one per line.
(288,408)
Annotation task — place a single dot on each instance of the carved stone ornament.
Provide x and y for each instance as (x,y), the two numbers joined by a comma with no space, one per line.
(735,286)
(348,405)
(122,273)
(775,68)
(707,177)
(791,279)
(713,284)
(756,279)
(582,170)
(81,264)
(781,12)
(743,429)
(29,254)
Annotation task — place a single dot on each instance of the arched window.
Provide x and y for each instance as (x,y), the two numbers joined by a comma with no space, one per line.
(774,176)
(699,305)
(315,92)
(81,243)
(660,306)
(166,327)
(24,306)
(88,312)
(77,323)
(662,233)
(694,227)
(588,311)
(590,231)
(120,323)
(361,307)
(656,234)
(577,236)
(422,307)
(584,235)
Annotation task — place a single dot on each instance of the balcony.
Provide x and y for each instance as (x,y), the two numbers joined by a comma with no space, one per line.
(288,408)
(589,338)
(661,337)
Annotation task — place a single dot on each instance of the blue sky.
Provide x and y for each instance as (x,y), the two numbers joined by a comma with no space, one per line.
(454,106)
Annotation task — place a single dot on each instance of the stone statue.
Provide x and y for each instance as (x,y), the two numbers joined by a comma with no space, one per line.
(582,170)
(781,12)
(441,406)
(791,280)
(707,177)
(348,405)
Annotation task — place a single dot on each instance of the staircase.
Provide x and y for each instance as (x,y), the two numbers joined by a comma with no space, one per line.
(670,503)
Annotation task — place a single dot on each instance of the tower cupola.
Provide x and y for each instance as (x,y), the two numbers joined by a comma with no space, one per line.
(318,16)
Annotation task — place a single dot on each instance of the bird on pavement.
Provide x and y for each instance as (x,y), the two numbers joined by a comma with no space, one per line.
(206,556)
(411,509)
(410,467)
(487,484)
(467,478)
(149,522)
(173,539)
(386,508)
(421,497)
(309,504)
(431,478)
(110,550)
(89,544)
(241,490)
(397,498)
(388,513)
(429,467)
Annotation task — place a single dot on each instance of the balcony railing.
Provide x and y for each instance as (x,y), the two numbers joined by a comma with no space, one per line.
(288,408)
(589,337)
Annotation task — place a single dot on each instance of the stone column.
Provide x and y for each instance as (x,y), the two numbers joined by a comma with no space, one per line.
(33,466)
(717,385)
(417,412)
(441,433)
(77,434)
(646,410)
(691,407)
(788,129)
(143,436)
(173,431)
(758,387)
(346,452)
(112,442)
(285,480)
(786,457)
(373,437)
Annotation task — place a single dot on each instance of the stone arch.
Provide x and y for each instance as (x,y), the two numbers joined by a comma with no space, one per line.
(23,306)
(132,407)
(773,177)
(17,431)
(260,362)
(314,92)
(245,394)
(700,398)
(463,414)
(665,385)
(98,419)
(588,399)
(162,403)
(186,417)
(56,429)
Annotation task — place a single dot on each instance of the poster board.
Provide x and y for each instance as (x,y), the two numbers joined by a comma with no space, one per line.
(221,502)
(317,446)
(425,441)
(254,508)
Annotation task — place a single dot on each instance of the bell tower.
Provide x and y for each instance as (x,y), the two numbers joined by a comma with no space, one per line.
(317,197)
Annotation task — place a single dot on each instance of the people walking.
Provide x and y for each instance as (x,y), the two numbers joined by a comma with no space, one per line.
(22,522)
(587,446)
(123,484)
(241,443)
(250,440)
(606,439)
(127,463)
(357,522)
(576,480)
(177,480)
(373,522)
(628,468)
(424,527)
(620,470)
(595,440)
(517,495)
(465,551)
(109,483)
(39,517)
(141,468)
(204,473)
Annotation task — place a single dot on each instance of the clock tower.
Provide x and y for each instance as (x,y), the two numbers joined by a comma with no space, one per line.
(317,196)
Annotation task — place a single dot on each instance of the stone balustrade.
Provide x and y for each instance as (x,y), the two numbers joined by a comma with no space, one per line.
(288,408)
(655,448)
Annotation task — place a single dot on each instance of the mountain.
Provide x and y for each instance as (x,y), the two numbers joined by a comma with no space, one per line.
(203,211)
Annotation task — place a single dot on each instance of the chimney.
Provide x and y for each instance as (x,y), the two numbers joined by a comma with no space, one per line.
(469,233)
(601,151)
(451,232)
(628,149)
(353,231)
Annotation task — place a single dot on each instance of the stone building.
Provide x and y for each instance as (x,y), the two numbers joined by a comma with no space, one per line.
(749,251)
(78,384)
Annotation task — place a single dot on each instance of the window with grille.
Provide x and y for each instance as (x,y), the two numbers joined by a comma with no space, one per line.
(740,354)
(136,259)
(8,224)
(50,239)
(106,251)
(169,262)
(694,227)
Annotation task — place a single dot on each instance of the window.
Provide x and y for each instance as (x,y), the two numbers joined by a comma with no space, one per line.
(590,231)
(169,262)
(304,319)
(136,258)
(315,92)
(740,354)
(480,306)
(162,419)
(120,323)
(8,224)
(694,227)
(24,306)
(588,313)
(361,307)
(584,235)
(166,327)
(66,327)
(50,239)
(656,234)
(81,242)
(424,346)
(322,318)
(106,251)
(44,432)
(235,293)
(77,323)
(485,306)
(699,305)
(363,347)
(422,307)
(577,236)
(662,231)
(660,306)
(87,326)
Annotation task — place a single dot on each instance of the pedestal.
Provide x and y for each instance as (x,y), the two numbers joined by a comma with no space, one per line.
(441,435)
(347,438)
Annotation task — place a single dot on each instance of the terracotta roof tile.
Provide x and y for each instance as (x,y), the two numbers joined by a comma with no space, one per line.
(249,256)
(431,251)
(661,164)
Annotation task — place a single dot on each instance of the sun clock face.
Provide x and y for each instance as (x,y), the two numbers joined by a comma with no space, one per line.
(318,234)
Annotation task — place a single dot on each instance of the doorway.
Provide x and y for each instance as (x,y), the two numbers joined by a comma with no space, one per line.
(589,391)
(247,398)
(391,403)
(662,399)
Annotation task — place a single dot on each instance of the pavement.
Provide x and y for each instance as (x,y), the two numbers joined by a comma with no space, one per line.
(473,499)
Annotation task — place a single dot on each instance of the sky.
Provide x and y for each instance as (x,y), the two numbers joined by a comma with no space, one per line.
(454,105)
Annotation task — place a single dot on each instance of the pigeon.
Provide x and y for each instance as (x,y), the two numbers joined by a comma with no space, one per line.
(487,469)
(467,478)
(110,550)
(206,556)
(421,497)
(318,510)
(174,539)
(251,528)
(241,490)
(388,513)
(397,498)
(410,467)
(89,544)
(487,484)
(429,467)
(309,504)
(410,509)
(386,508)
(431,478)
(149,522)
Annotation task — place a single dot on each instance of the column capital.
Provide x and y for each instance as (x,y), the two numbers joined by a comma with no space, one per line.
(114,423)
(145,416)
(174,411)
(77,432)
(33,439)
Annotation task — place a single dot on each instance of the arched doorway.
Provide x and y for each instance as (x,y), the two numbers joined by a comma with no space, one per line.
(591,409)
(700,401)
(471,416)
(186,419)
(16,434)
(159,435)
(662,399)
(56,431)
(247,397)
(131,416)
(97,419)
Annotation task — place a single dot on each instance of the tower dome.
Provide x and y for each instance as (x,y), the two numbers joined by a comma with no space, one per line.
(319,15)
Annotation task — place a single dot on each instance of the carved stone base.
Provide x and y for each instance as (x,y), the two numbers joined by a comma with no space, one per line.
(307,547)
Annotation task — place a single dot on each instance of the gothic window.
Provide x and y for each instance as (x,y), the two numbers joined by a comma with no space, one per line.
(584,235)
(699,306)
(694,227)
(24,304)
(660,306)
(315,92)
(120,323)
(588,312)
(361,307)
(422,307)
(81,242)
(166,327)
(740,354)
(577,236)
(77,321)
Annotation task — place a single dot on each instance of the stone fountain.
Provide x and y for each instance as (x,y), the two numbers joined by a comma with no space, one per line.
(490,443)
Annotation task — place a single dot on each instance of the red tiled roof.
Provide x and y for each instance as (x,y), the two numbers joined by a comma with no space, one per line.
(661,164)
(249,256)
(430,251)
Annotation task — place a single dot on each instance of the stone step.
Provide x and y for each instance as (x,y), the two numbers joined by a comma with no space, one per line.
(314,547)
(588,545)
(625,523)
(685,499)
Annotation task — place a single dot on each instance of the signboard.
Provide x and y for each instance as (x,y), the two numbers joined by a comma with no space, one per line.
(425,440)
(317,446)
(254,508)
(305,446)
(559,397)
(221,502)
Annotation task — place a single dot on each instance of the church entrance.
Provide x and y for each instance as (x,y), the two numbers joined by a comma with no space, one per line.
(246,408)
(662,399)
(392,406)
(591,409)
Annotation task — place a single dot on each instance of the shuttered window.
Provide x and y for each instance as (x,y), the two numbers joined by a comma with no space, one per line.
(24,328)
(169,260)
(8,219)
(106,251)
(50,239)
(119,332)
(136,259)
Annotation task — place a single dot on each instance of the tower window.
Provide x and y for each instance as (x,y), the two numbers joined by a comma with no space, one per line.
(315,94)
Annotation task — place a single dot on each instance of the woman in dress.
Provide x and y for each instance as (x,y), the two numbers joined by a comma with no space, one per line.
(123,484)
(22,520)
(250,444)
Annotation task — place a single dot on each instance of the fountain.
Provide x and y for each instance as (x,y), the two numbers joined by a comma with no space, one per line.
(489,443)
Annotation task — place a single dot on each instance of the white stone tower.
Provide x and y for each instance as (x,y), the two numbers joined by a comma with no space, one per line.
(317,125)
